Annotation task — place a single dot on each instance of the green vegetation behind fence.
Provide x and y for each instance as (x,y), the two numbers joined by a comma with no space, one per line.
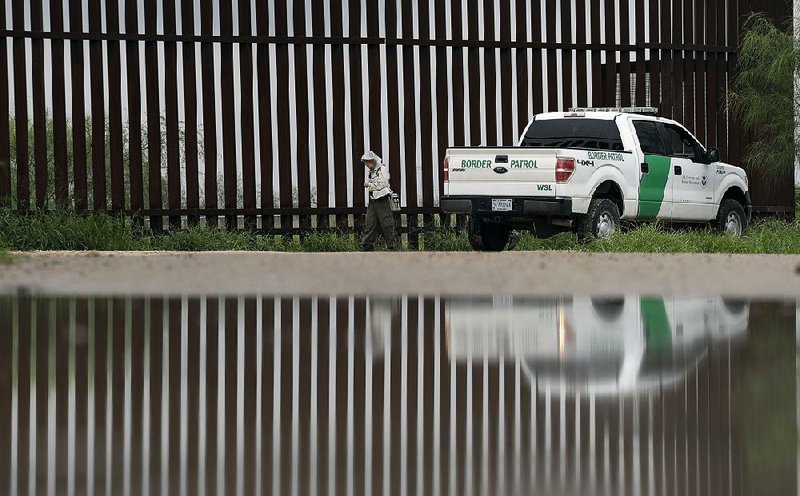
(763,97)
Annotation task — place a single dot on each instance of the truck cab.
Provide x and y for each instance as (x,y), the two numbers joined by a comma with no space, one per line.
(589,169)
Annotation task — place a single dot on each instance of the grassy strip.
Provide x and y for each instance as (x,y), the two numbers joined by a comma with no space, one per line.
(5,256)
(100,232)
(68,231)
(767,237)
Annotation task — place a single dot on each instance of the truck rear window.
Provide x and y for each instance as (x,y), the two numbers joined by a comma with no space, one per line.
(593,134)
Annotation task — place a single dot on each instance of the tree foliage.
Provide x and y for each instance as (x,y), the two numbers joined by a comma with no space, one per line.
(762,94)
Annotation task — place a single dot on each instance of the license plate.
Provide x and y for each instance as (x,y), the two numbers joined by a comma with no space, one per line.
(502,205)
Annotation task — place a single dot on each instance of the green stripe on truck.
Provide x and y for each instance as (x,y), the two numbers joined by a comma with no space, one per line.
(657,331)
(651,188)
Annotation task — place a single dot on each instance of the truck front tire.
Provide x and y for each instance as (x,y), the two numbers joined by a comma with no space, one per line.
(731,218)
(602,220)
(486,236)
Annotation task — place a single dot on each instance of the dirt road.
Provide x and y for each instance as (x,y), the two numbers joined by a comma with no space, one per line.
(535,273)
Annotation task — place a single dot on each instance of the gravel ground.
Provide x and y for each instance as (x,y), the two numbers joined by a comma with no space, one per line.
(453,273)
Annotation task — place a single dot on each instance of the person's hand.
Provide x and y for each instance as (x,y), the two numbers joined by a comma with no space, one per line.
(366,185)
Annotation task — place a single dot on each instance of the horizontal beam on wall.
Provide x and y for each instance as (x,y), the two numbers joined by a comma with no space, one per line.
(354,40)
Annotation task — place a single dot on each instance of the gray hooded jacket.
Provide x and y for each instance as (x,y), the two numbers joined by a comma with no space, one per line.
(378,177)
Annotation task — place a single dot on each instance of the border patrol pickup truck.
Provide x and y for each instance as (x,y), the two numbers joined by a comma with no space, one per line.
(588,169)
(628,344)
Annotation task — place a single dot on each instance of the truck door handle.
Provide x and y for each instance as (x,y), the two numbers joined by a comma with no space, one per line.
(645,168)
(678,170)
(501,159)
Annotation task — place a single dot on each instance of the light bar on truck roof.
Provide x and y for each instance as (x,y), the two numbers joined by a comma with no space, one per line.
(624,110)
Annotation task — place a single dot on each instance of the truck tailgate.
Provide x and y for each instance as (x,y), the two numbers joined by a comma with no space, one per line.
(501,171)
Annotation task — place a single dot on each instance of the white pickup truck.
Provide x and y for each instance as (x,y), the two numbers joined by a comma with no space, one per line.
(627,344)
(586,170)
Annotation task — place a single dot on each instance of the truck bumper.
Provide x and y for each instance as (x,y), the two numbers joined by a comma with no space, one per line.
(522,206)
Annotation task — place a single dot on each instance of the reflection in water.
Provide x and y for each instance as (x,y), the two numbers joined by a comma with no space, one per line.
(423,395)
(608,346)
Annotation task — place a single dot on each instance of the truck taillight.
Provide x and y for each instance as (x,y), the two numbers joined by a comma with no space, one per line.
(564,169)
(446,169)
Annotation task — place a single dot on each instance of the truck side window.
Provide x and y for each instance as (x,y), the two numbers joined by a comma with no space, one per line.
(681,144)
(649,138)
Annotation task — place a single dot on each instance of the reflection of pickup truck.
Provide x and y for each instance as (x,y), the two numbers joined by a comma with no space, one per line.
(587,169)
(602,346)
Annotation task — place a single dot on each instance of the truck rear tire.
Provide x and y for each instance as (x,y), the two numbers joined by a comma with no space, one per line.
(602,220)
(731,218)
(486,236)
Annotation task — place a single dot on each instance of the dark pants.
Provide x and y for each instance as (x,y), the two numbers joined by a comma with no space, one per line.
(380,220)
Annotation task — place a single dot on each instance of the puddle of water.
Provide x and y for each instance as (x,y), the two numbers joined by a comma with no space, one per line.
(426,395)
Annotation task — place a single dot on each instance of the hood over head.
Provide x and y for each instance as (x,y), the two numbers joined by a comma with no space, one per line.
(371,156)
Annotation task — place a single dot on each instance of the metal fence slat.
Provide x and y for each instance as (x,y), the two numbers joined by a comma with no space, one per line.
(248,182)
(40,137)
(171,115)
(209,110)
(134,91)
(98,113)
(190,98)
(21,111)
(114,75)
(5,144)
(153,116)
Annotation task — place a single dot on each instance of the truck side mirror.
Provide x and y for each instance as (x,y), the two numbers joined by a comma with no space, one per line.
(712,154)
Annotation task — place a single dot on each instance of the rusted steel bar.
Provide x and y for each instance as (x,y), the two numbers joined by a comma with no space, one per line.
(135,171)
(677,66)
(285,152)
(171,116)
(209,110)
(247,114)
(566,54)
(610,76)
(537,35)
(115,110)
(550,54)
(596,54)
(303,159)
(5,141)
(40,138)
(321,78)
(655,64)
(190,97)
(229,152)
(153,116)
(340,125)
(266,146)
(667,73)
(21,112)
(356,105)
(443,118)
(688,68)
(625,57)
(581,76)
(98,111)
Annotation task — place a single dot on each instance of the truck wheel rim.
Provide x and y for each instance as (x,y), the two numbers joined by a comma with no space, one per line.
(605,225)
(733,225)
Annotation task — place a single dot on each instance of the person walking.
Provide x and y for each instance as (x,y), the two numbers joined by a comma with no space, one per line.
(380,219)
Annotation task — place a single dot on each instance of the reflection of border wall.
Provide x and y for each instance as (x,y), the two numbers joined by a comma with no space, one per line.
(237,393)
(275,109)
